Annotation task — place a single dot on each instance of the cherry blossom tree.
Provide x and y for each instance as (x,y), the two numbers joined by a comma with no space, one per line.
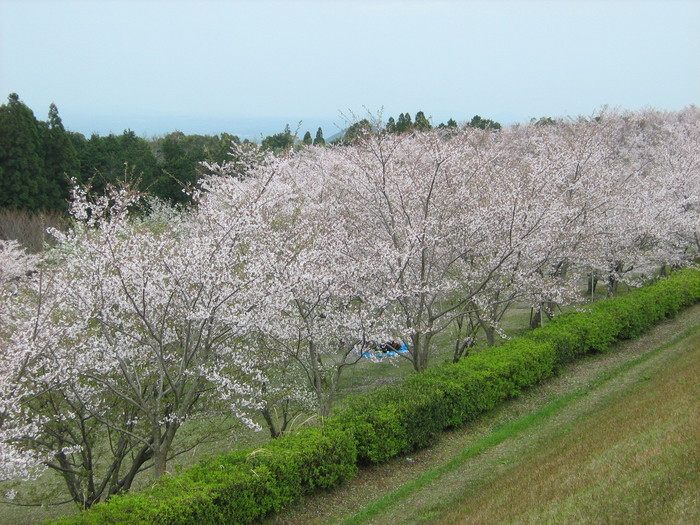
(643,193)
(16,462)
(325,313)
(669,144)
(137,326)
(460,225)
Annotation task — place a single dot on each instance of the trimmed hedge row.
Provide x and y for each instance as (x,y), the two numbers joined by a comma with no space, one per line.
(239,487)
(619,318)
(244,486)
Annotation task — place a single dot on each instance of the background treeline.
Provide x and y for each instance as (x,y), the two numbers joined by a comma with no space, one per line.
(39,158)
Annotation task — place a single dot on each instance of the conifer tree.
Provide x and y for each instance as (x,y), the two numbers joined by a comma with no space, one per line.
(484,123)
(279,142)
(451,124)
(404,123)
(307,138)
(422,123)
(319,140)
(60,161)
(22,182)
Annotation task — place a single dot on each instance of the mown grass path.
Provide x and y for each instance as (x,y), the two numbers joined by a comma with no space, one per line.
(613,438)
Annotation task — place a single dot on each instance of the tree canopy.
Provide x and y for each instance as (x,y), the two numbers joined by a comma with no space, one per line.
(36,159)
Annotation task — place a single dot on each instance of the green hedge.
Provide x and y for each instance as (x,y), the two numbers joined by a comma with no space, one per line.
(240,487)
(600,325)
(244,486)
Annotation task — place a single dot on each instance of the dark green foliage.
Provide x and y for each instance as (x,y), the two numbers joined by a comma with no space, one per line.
(357,130)
(319,140)
(451,124)
(37,159)
(307,139)
(179,157)
(280,142)
(421,122)
(179,162)
(23,181)
(543,121)
(162,167)
(240,487)
(60,161)
(404,123)
(244,486)
(483,123)
(117,160)
(215,148)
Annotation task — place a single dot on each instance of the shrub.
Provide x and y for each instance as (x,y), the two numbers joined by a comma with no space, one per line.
(604,323)
(240,487)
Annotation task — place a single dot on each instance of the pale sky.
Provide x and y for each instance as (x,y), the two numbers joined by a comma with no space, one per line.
(249,67)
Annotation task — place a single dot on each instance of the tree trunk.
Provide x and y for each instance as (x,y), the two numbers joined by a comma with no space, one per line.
(616,268)
(160,461)
(161,448)
(592,284)
(271,425)
(535,317)
(421,354)
(490,332)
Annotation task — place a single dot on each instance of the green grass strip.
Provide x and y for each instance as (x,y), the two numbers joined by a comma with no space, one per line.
(504,432)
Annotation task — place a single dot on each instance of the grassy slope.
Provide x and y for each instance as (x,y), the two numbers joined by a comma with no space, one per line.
(613,438)
(635,459)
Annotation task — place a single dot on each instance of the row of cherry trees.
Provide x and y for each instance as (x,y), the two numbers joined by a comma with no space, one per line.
(260,296)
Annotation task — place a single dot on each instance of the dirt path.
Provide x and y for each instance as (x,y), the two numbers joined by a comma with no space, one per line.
(382,481)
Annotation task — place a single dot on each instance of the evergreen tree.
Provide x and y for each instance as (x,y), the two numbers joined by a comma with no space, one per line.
(543,121)
(390,125)
(178,167)
(112,159)
(138,161)
(99,162)
(280,142)
(60,160)
(422,123)
(219,148)
(484,123)
(404,123)
(307,138)
(451,124)
(22,177)
(357,130)
(319,140)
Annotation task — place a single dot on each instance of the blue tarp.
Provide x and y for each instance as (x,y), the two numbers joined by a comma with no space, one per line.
(390,353)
